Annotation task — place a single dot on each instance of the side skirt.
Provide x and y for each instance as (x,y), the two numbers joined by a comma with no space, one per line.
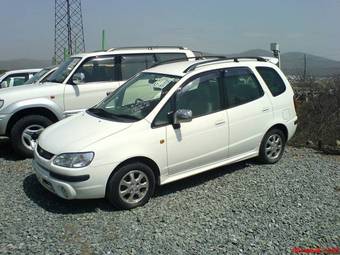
(191,172)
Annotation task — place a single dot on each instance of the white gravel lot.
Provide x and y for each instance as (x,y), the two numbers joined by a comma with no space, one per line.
(245,208)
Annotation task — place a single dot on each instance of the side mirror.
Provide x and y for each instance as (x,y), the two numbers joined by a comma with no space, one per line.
(182,115)
(78,78)
(3,84)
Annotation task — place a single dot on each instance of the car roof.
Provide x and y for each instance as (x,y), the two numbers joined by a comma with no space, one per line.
(34,70)
(135,50)
(182,68)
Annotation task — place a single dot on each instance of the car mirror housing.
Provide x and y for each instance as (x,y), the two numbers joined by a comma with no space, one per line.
(78,78)
(182,115)
(3,84)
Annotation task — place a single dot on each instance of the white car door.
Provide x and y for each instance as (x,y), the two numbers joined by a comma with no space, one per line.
(250,110)
(204,140)
(98,79)
(84,96)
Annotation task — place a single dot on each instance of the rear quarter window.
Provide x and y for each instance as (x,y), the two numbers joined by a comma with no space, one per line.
(163,57)
(272,79)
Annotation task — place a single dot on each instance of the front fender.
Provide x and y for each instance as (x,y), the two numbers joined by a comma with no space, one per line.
(34,103)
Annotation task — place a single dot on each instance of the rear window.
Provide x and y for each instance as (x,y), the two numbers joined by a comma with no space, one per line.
(272,79)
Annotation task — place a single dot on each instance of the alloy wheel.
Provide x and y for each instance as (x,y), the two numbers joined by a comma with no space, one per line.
(30,135)
(273,146)
(133,187)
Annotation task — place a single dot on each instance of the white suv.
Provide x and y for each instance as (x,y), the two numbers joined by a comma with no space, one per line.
(80,82)
(167,123)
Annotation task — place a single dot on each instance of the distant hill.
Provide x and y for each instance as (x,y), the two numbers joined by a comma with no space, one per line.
(23,63)
(293,62)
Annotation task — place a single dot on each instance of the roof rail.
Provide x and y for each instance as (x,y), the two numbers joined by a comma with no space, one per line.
(148,48)
(185,58)
(211,61)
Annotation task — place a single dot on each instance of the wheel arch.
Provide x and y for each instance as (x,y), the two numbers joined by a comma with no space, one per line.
(141,159)
(43,111)
(281,127)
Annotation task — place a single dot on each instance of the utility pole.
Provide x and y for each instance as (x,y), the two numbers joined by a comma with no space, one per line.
(275,48)
(68,29)
(304,67)
(103,40)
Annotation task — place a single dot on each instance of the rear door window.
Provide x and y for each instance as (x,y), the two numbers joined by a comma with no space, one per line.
(272,79)
(132,64)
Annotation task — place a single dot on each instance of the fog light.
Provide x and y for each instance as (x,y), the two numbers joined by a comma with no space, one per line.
(64,191)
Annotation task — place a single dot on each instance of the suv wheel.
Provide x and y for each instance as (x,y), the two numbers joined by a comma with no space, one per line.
(25,133)
(131,186)
(272,146)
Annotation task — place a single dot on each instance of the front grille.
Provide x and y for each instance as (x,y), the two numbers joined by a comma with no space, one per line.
(45,154)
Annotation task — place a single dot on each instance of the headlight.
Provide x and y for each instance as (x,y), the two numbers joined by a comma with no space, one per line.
(1,103)
(74,160)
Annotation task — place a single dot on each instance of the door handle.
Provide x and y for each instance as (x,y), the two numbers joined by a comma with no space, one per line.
(266,109)
(219,122)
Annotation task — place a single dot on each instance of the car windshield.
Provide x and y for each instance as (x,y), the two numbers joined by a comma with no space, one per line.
(136,98)
(64,70)
(37,76)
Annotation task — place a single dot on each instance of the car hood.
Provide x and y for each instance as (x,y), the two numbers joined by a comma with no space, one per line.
(76,133)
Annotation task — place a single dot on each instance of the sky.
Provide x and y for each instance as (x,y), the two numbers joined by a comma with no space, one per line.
(214,26)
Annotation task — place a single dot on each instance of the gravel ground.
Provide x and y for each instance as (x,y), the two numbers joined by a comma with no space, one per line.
(245,208)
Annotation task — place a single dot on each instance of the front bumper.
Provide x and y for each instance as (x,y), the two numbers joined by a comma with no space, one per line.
(60,188)
(83,186)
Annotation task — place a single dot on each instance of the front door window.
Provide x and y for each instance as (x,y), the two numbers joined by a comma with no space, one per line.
(201,95)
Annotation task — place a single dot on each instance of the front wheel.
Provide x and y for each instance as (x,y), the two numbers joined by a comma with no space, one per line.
(272,146)
(131,186)
(25,133)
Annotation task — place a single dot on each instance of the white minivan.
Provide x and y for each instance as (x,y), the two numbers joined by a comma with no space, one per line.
(167,123)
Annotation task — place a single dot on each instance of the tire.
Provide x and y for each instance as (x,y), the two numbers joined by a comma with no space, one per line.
(272,146)
(31,124)
(116,186)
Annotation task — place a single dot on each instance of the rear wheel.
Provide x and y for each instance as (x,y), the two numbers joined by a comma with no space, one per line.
(25,133)
(131,186)
(272,146)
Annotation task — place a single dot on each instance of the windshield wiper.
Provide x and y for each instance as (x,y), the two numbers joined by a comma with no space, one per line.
(126,116)
(97,110)
(100,112)
(104,114)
